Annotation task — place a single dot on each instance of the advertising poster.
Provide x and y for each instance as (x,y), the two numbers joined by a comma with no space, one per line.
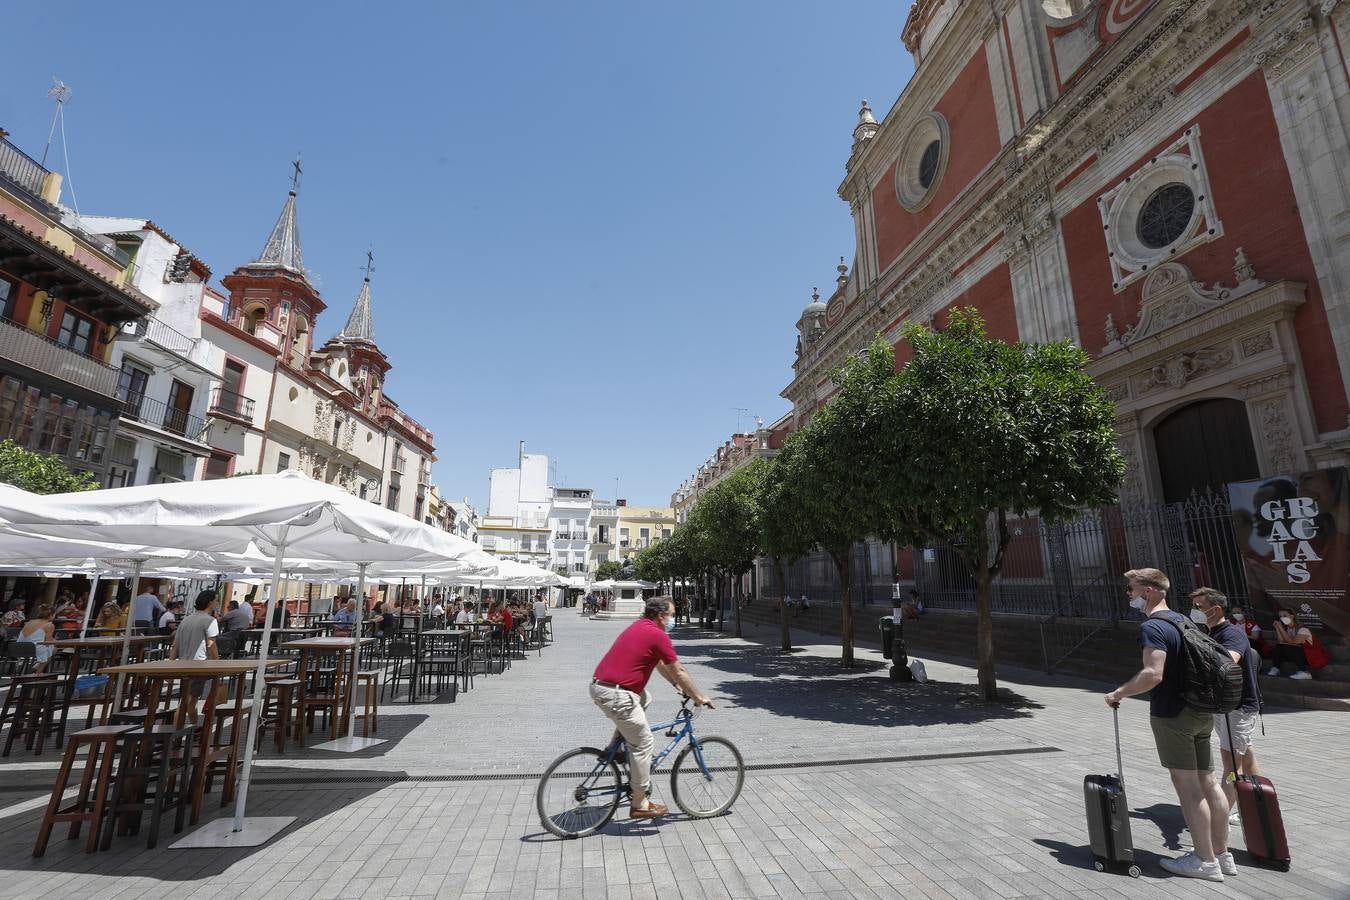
(1293,533)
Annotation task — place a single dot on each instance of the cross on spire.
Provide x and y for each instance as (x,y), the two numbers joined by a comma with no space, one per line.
(369,267)
(295,176)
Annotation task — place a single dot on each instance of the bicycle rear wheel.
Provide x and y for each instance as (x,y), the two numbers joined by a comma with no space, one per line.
(579,793)
(707,786)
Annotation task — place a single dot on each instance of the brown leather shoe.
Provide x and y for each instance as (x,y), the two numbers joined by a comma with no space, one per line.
(653,810)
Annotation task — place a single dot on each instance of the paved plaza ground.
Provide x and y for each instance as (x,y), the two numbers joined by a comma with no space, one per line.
(858,787)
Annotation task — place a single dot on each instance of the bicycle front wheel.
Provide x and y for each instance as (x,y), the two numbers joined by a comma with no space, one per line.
(579,793)
(707,777)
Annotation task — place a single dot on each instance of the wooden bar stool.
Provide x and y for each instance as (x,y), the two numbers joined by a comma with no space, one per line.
(369,681)
(7,712)
(90,805)
(279,699)
(154,772)
(223,757)
(42,708)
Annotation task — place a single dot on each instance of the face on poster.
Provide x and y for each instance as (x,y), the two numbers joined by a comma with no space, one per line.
(1294,535)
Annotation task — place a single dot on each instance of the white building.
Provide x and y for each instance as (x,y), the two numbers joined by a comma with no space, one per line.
(517,523)
(466,519)
(166,367)
(569,520)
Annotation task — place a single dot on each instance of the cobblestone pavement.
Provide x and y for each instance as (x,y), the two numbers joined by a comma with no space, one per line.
(858,788)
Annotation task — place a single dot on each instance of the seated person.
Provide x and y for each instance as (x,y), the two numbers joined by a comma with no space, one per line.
(36,630)
(1292,639)
(1253,631)
(112,615)
(913,607)
(238,618)
(168,620)
(344,620)
(281,616)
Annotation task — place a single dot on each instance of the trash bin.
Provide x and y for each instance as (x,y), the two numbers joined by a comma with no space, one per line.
(887,625)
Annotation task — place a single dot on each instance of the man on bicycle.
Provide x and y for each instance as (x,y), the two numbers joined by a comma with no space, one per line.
(619,688)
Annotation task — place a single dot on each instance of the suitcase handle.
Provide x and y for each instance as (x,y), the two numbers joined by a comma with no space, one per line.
(1120,766)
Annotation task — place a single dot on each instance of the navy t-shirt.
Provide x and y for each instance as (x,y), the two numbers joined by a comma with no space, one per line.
(1168,698)
(1234,637)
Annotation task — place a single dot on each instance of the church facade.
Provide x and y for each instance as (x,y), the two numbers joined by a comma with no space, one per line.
(288,401)
(1164,182)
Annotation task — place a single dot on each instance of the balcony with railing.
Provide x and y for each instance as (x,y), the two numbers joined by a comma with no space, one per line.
(22,171)
(164,336)
(231,404)
(158,414)
(400,464)
(42,354)
(570,536)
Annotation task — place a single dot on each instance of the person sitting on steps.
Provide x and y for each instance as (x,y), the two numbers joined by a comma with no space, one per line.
(1292,639)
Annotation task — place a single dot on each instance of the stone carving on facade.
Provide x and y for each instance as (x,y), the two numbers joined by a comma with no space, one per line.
(303,453)
(1132,488)
(1243,270)
(1277,433)
(1170,296)
(1112,331)
(1145,111)
(349,435)
(1175,371)
(1286,48)
(1119,393)
(1257,343)
(346,479)
(322,414)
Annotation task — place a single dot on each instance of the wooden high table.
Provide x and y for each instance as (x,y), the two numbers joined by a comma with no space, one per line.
(211,671)
(105,650)
(343,690)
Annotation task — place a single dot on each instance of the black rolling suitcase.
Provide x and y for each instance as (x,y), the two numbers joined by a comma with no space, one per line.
(1108,817)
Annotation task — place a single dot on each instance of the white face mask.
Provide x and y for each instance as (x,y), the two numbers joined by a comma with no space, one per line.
(1138,603)
(1286,620)
(1238,617)
(1199,617)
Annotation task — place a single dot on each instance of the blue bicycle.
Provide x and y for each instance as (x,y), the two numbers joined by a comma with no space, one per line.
(582,789)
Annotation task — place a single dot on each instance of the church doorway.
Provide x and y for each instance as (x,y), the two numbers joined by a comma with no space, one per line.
(1202,446)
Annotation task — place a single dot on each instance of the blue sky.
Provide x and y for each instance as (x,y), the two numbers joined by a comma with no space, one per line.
(595,224)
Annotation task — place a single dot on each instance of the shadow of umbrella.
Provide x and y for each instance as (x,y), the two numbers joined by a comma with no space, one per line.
(128,854)
(1169,820)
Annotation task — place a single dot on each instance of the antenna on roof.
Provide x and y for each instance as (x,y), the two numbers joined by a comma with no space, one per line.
(59,92)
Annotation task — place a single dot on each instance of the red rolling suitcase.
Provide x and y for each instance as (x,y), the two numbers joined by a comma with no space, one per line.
(1108,816)
(1262,824)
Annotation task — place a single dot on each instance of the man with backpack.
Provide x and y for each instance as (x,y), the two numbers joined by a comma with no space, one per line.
(1179,680)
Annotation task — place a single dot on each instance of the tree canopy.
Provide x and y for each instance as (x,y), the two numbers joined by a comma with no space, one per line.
(40,473)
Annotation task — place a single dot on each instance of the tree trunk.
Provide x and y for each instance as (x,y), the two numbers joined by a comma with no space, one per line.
(740,594)
(845,606)
(784,629)
(984,635)
(721,603)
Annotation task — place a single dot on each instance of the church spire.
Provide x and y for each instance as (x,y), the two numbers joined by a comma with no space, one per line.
(360,324)
(283,245)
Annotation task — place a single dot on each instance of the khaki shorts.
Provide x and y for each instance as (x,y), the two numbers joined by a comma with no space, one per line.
(1183,740)
(1243,725)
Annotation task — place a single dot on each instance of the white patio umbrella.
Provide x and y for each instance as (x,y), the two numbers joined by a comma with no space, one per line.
(283,514)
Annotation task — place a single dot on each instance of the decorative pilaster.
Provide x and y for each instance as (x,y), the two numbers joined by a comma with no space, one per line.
(1270,407)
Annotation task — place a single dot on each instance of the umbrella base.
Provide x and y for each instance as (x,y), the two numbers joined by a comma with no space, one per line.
(349,744)
(257,831)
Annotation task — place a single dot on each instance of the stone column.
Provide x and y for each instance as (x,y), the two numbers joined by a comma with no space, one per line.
(1311,100)
(1274,424)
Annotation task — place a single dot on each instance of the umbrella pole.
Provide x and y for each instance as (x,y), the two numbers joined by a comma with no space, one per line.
(89,606)
(259,684)
(136,565)
(356,649)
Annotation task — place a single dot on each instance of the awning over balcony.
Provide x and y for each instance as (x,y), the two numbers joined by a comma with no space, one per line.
(49,268)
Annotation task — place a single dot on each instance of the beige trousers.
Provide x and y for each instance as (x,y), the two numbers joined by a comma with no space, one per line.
(628,712)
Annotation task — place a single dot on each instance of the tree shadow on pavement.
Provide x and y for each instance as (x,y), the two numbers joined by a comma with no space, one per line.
(762,662)
(874,701)
(128,855)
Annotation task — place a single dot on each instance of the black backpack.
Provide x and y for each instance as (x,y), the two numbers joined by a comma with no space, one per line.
(1213,677)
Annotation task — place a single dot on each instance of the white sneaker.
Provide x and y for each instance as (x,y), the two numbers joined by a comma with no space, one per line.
(1226,863)
(1301,676)
(1188,865)
(1234,818)
(1274,672)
